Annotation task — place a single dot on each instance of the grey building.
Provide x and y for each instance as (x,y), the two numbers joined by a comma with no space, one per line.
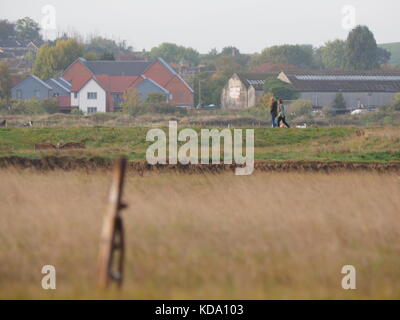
(148,86)
(368,89)
(61,87)
(32,88)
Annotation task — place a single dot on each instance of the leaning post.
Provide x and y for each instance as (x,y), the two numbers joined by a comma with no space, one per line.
(112,250)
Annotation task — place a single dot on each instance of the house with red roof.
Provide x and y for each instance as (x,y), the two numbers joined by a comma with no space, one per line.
(98,86)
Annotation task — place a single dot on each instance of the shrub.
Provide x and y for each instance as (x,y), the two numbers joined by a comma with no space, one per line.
(265,101)
(155,98)
(4,106)
(327,111)
(50,105)
(77,112)
(300,107)
(27,107)
(131,102)
(32,106)
(396,102)
(164,108)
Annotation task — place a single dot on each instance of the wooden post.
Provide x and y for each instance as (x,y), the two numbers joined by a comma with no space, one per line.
(112,236)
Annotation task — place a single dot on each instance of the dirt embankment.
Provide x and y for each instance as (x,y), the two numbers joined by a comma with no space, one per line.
(95,163)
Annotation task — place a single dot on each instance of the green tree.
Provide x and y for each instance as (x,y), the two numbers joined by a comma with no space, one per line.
(332,54)
(45,64)
(279,89)
(66,52)
(101,45)
(171,52)
(50,105)
(301,107)
(107,56)
(7,30)
(265,101)
(27,29)
(301,56)
(237,57)
(5,81)
(226,66)
(131,101)
(210,85)
(339,102)
(361,49)
(383,56)
(90,55)
(51,60)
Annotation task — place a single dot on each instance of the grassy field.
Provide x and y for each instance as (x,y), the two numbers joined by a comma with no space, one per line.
(265,236)
(336,143)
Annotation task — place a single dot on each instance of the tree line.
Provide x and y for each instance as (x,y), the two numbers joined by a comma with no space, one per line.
(358,52)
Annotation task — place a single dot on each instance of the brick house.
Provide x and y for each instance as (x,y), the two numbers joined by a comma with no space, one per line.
(98,86)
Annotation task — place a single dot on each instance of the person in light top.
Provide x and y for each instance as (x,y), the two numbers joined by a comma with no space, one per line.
(282,114)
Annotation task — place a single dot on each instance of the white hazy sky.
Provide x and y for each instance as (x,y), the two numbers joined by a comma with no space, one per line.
(250,25)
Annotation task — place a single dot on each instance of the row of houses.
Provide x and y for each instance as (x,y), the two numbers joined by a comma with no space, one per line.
(98,86)
(18,54)
(369,89)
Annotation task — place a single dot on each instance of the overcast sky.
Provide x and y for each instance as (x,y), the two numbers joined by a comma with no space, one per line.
(250,25)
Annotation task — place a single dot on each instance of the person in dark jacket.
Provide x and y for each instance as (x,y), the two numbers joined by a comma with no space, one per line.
(274,111)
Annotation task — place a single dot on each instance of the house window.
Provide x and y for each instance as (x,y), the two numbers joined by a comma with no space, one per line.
(37,93)
(76,95)
(92,95)
(19,94)
(91,110)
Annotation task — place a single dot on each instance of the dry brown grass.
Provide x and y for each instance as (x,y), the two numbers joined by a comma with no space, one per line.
(270,235)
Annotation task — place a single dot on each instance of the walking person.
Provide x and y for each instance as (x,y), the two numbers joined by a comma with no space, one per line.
(274,111)
(282,114)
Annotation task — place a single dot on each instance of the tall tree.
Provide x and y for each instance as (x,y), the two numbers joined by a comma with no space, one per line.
(339,102)
(66,52)
(239,58)
(51,60)
(332,54)
(361,49)
(227,66)
(5,81)
(45,64)
(7,30)
(28,29)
